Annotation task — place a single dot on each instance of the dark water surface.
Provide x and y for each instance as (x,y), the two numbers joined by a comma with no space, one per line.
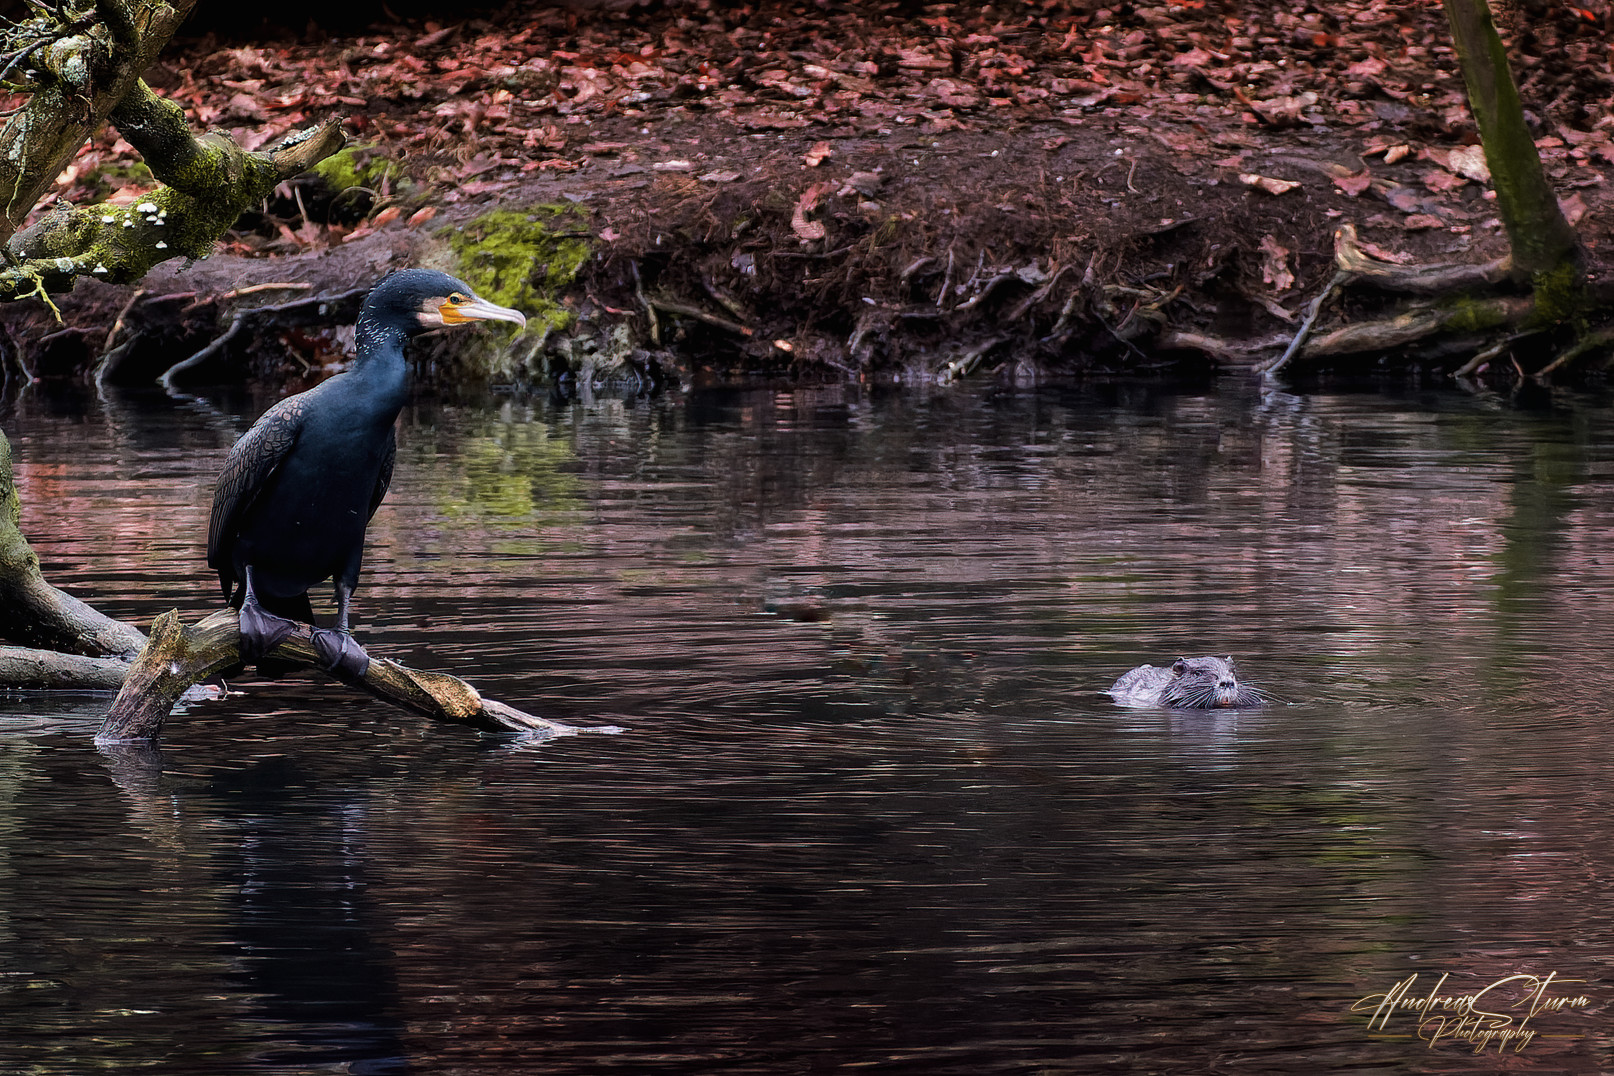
(873,812)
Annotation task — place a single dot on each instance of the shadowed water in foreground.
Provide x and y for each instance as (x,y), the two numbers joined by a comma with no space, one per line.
(874,811)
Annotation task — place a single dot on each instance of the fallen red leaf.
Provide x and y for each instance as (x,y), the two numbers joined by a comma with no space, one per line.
(1275,264)
(1355,183)
(808,230)
(1440,182)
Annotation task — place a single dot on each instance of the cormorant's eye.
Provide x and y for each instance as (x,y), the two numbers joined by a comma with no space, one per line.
(457,299)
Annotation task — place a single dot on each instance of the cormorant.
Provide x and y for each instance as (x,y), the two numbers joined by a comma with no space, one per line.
(298,489)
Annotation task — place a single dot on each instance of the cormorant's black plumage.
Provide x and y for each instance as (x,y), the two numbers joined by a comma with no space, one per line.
(298,490)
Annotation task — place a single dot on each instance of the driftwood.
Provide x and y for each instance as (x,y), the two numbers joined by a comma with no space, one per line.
(179,656)
(52,670)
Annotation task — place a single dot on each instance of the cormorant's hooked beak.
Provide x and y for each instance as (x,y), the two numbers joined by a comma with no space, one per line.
(476,308)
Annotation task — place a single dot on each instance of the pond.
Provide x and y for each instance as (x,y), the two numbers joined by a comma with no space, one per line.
(873,810)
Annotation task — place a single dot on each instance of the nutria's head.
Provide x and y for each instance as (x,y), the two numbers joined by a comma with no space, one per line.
(1208,684)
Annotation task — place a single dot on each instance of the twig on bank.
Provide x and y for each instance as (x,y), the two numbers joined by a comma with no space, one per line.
(672,306)
(117,322)
(644,301)
(239,319)
(1481,358)
(1312,310)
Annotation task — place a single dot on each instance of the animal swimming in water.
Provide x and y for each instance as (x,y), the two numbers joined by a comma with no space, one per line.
(1205,683)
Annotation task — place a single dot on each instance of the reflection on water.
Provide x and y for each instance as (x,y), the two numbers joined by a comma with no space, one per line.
(874,811)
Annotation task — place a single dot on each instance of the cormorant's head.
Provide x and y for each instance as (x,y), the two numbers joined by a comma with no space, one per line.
(421,299)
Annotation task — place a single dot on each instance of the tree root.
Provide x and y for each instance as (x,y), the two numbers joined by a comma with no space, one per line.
(179,656)
(1351,259)
(314,303)
(1457,309)
(1596,340)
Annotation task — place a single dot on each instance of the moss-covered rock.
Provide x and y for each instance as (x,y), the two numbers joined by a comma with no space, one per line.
(527,259)
(357,166)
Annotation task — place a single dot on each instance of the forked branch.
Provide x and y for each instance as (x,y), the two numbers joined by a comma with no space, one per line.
(179,656)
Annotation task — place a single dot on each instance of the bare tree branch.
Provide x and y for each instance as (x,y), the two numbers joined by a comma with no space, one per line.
(179,656)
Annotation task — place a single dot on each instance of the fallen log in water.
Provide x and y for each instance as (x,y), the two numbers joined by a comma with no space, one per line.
(178,656)
(31,669)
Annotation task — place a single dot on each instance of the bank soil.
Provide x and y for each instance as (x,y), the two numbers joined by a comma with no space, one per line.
(880,192)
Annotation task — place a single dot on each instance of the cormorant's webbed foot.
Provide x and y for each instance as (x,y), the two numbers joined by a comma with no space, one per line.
(339,650)
(261,632)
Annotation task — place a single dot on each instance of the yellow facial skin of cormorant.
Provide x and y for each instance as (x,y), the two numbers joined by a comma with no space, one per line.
(461,309)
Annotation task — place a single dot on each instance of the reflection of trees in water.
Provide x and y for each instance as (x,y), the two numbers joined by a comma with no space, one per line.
(1355,535)
(900,789)
(1376,542)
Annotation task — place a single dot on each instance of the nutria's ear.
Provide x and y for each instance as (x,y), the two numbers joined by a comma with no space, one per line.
(1180,667)
(1230,661)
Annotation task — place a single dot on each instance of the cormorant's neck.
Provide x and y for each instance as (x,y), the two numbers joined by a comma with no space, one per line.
(378,337)
(380,346)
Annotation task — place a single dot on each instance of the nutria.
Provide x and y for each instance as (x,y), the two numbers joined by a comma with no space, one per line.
(1189,684)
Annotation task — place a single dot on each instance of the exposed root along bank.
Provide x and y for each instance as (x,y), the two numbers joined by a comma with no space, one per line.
(1069,250)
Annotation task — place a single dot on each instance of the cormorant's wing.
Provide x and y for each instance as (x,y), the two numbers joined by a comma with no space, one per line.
(246,473)
(383,480)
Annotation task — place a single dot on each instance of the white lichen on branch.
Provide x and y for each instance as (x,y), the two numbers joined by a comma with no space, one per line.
(209,181)
(81,69)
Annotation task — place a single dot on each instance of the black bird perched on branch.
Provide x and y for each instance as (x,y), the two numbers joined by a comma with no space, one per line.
(298,490)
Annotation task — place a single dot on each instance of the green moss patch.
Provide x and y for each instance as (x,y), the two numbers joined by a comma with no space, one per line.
(522,257)
(526,259)
(357,166)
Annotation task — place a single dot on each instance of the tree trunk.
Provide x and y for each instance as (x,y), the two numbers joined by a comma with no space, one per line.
(1542,240)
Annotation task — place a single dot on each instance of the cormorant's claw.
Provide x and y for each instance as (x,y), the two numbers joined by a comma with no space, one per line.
(339,650)
(261,632)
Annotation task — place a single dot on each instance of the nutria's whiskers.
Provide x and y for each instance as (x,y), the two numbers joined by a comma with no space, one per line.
(1204,683)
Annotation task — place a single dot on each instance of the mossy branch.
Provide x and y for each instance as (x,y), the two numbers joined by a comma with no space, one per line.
(209,181)
(86,68)
(119,21)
